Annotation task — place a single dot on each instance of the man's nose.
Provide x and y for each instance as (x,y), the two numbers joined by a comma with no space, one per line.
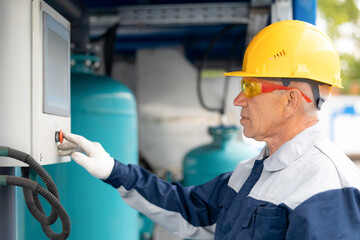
(240,100)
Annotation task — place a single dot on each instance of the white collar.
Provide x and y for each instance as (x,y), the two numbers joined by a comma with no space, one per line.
(291,150)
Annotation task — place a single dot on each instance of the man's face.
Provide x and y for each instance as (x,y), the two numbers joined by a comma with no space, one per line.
(261,115)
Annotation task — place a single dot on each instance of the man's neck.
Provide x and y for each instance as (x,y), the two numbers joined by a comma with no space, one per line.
(289,132)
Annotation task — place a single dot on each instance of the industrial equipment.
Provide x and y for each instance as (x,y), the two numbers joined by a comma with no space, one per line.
(221,155)
(35,79)
(34,105)
(102,110)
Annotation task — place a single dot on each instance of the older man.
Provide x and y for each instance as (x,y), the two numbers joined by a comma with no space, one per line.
(299,187)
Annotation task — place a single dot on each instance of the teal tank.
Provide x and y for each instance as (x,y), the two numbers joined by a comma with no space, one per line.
(104,111)
(222,155)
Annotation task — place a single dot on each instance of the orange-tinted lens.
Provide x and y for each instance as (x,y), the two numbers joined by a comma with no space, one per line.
(250,88)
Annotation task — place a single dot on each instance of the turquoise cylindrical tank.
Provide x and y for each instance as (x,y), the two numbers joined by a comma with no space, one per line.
(104,111)
(221,155)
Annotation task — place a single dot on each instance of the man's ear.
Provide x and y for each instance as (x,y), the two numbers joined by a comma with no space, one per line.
(292,99)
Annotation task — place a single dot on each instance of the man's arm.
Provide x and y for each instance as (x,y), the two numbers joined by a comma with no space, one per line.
(190,212)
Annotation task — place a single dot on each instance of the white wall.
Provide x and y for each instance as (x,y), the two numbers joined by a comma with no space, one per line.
(341,126)
(171,119)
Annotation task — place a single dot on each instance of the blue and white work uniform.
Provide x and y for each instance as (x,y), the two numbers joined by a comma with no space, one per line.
(307,189)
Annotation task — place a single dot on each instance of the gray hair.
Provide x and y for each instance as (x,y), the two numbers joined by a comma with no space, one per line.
(310,109)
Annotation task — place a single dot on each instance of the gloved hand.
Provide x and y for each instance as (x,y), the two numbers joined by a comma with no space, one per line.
(95,160)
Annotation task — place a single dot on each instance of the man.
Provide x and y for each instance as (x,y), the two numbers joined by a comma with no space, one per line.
(299,187)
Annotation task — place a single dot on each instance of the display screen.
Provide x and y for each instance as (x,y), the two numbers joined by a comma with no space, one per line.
(56,67)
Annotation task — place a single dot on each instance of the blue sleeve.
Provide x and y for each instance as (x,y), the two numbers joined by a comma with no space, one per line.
(198,205)
(333,214)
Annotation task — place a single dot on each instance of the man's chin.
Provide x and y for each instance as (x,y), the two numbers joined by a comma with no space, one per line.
(247,133)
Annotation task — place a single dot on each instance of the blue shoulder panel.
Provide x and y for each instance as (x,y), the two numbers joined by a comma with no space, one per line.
(333,214)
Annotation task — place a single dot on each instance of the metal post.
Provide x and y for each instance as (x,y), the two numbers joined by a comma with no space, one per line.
(7,207)
(305,10)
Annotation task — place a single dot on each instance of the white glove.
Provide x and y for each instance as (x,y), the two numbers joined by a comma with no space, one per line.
(95,160)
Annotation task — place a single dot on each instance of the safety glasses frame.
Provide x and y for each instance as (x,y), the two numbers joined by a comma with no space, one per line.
(251,88)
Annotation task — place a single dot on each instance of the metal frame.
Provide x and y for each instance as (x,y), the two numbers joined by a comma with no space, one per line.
(189,14)
(281,10)
(258,18)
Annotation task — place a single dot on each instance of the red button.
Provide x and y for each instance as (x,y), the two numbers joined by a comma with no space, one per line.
(59,136)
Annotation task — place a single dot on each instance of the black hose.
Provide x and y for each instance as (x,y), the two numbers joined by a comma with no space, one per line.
(28,194)
(31,190)
(54,202)
(49,182)
(201,65)
(229,63)
(109,47)
(31,199)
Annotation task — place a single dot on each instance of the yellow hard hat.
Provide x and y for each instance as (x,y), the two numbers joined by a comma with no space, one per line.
(292,49)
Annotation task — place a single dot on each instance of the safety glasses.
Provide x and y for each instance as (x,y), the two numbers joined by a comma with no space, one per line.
(251,88)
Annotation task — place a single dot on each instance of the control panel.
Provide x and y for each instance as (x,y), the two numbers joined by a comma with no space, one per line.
(35,80)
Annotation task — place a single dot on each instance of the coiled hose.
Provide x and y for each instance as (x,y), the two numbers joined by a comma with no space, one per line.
(31,189)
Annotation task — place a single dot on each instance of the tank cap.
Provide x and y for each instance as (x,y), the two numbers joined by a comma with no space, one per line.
(223,130)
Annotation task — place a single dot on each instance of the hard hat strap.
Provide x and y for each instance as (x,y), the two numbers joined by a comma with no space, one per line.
(286,81)
(315,89)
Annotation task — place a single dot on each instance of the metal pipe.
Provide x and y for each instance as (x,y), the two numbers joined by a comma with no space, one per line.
(66,8)
(76,13)
(7,207)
